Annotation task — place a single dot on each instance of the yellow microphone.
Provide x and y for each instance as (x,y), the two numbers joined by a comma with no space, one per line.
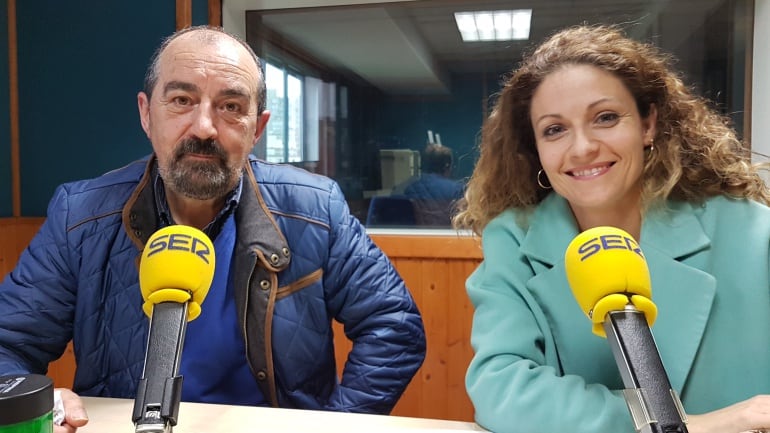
(177,266)
(606,271)
(609,278)
(175,275)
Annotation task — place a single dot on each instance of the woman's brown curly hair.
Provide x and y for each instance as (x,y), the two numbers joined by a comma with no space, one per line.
(696,155)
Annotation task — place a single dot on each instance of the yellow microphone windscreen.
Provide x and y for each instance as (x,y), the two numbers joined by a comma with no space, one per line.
(177,266)
(605,267)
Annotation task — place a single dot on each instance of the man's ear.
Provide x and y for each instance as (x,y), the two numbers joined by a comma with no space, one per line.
(144,112)
(261,123)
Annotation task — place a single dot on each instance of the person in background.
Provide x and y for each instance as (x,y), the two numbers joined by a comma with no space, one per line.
(434,193)
(596,129)
(290,259)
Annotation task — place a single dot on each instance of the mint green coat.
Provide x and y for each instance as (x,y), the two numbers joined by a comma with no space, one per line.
(538,367)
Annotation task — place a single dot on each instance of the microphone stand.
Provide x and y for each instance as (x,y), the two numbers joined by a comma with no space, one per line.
(159,392)
(655,407)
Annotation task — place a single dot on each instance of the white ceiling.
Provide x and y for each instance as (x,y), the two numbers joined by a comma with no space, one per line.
(413,46)
(372,42)
(234,10)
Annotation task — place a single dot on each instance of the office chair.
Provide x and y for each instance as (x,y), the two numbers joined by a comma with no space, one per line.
(390,211)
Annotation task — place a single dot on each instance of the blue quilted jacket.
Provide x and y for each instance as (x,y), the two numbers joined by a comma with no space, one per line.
(300,261)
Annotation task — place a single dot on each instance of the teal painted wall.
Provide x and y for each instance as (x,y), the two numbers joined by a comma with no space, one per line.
(200,12)
(81,65)
(6,204)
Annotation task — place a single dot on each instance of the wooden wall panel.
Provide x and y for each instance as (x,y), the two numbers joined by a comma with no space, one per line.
(183,14)
(15,234)
(62,371)
(438,286)
(434,269)
(215,13)
(13,107)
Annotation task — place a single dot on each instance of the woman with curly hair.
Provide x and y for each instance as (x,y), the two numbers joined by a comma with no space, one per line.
(596,129)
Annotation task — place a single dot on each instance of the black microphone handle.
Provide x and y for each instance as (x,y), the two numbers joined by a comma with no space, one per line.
(641,368)
(156,405)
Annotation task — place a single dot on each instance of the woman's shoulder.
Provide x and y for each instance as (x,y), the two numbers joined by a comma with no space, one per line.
(736,218)
(521,219)
(541,227)
(511,220)
(722,205)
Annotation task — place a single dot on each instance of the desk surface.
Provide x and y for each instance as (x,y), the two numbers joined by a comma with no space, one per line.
(114,416)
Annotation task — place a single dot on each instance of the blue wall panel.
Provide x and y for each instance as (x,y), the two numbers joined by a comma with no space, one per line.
(80,68)
(200,12)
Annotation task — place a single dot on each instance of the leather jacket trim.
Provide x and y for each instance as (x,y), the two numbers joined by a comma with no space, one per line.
(269,340)
(93,218)
(311,221)
(139,214)
(243,315)
(266,262)
(282,261)
(299,284)
(261,252)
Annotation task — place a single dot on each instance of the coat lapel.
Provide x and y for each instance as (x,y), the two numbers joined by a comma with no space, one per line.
(671,240)
(552,229)
(683,293)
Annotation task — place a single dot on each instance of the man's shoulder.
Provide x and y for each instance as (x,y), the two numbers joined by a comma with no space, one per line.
(292,191)
(128,175)
(270,174)
(88,199)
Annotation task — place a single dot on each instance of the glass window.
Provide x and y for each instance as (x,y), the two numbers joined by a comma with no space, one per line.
(275,131)
(388,98)
(294,118)
(283,140)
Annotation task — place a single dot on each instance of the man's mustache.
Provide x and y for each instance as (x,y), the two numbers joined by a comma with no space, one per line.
(199,146)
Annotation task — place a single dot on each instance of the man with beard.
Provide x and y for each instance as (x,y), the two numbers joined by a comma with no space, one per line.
(289,259)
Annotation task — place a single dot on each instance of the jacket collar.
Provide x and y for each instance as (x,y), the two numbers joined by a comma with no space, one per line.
(258,232)
(671,240)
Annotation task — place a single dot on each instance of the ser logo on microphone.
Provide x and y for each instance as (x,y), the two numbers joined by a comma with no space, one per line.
(180,242)
(608,242)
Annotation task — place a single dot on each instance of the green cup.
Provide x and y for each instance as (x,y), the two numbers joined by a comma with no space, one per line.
(26,404)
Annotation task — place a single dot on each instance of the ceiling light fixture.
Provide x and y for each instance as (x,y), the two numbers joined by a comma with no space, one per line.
(494,25)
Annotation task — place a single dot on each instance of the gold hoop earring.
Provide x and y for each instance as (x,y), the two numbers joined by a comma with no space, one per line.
(650,149)
(539,182)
